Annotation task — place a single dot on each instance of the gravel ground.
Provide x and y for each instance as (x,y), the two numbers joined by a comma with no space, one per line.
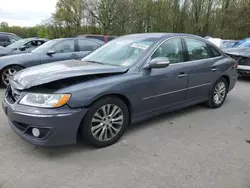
(195,147)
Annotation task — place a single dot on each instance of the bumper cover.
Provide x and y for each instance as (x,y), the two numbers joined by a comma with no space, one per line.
(243,70)
(62,123)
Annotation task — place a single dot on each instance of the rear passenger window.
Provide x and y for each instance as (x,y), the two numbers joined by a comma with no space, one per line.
(87,45)
(197,49)
(213,51)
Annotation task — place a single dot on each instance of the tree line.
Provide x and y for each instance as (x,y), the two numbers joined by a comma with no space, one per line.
(227,19)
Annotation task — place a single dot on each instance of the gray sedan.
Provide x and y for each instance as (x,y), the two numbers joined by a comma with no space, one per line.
(127,80)
(51,51)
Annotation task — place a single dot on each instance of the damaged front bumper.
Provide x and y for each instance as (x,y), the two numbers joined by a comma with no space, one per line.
(56,126)
(243,70)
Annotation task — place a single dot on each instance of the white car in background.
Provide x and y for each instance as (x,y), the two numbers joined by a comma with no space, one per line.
(217,41)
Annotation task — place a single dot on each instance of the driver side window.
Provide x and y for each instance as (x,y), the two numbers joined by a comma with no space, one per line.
(172,49)
(64,47)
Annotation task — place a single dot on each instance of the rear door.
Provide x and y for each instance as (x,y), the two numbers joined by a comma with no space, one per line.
(64,50)
(85,46)
(203,67)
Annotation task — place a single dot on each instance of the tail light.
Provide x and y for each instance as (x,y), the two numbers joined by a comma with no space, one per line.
(236,65)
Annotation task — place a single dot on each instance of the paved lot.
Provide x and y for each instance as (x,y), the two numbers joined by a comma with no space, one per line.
(195,147)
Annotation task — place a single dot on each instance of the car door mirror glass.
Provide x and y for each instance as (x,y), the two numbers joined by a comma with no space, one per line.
(159,62)
(51,52)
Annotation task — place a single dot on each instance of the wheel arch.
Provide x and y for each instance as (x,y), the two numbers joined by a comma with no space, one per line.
(117,95)
(226,77)
(12,65)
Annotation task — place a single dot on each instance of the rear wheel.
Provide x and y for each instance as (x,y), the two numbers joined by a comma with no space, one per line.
(8,73)
(105,122)
(218,94)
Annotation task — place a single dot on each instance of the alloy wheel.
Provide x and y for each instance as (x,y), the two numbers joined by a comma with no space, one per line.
(219,93)
(107,122)
(7,75)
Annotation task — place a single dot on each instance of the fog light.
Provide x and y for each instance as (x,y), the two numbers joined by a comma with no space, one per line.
(35,132)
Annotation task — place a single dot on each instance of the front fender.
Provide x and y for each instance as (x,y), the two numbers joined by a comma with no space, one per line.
(85,93)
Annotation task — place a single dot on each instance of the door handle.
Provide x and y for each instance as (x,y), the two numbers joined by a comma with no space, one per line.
(214,69)
(74,56)
(182,74)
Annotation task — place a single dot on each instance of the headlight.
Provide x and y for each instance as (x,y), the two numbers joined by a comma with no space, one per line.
(45,100)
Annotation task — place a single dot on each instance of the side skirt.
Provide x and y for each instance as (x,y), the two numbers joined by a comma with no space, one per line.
(149,115)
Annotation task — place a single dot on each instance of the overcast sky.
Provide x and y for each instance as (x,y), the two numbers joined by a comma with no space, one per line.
(26,12)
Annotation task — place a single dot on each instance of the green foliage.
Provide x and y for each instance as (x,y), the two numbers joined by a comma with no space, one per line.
(229,19)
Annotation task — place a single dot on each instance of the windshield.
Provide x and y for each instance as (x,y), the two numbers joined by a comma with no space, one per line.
(121,52)
(44,46)
(244,44)
(228,44)
(18,43)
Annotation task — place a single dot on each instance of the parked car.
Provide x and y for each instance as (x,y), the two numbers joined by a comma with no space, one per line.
(241,42)
(228,43)
(22,46)
(217,41)
(8,38)
(125,81)
(51,51)
(103,38)
(241,54)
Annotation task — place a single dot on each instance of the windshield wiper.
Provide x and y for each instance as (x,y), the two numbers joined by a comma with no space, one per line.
(96,62)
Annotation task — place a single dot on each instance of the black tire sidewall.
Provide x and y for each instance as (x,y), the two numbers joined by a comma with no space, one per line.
(211,100)
(86,124)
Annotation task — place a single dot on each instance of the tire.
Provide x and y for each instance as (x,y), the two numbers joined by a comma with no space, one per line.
(13,69)
(94,122)
(212,102)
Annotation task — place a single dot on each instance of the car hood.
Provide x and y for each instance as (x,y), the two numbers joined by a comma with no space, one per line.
(6,51)
(244,52)
(47,73)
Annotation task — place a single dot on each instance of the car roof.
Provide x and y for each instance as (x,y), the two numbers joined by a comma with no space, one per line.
(6,33)
(97,35)
(159,35)
(96,40)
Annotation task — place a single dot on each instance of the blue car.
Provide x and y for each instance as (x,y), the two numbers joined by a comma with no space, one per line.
(127,80)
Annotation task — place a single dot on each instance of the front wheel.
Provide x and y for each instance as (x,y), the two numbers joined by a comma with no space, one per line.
(8,73)
(218,94)
(105,122)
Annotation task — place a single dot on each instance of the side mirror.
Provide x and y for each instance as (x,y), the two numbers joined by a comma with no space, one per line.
(51,52)
(22,48)
(159,62)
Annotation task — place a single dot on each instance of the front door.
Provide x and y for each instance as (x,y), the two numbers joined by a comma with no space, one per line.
(202,68)
(165,87)
(64,50)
